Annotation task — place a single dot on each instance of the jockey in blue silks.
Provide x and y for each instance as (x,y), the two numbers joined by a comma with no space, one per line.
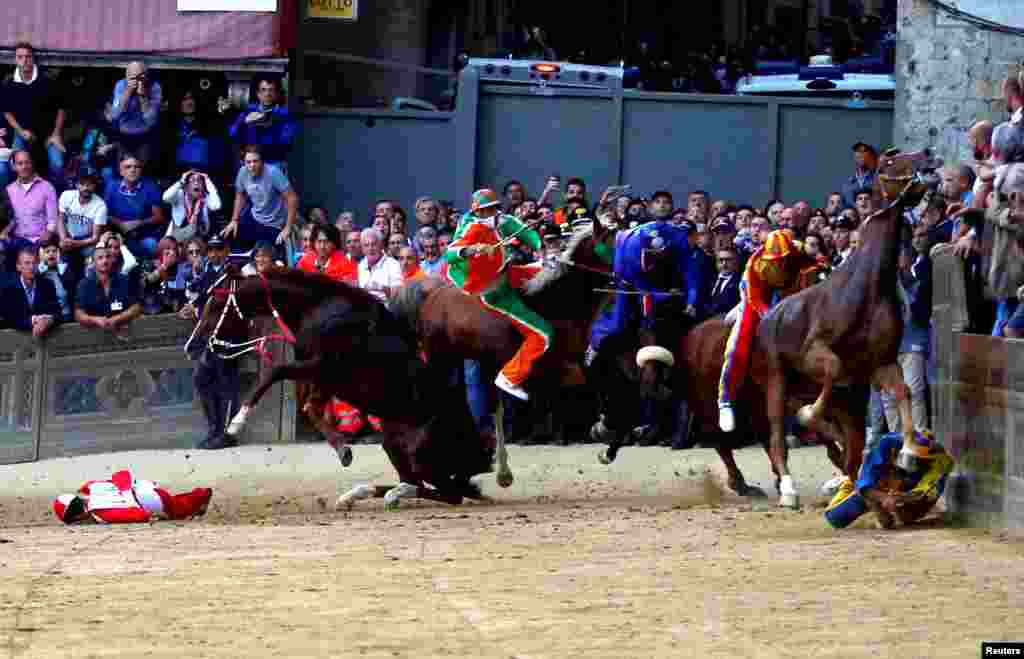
(654,259)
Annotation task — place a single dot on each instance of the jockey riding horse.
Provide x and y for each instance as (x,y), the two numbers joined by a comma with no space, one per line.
(478,265)
(775,271)
(659,279)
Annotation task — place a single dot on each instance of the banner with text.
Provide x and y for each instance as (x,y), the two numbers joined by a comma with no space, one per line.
(346,10)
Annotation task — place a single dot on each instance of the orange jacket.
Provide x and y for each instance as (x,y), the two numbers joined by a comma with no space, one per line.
(338,267)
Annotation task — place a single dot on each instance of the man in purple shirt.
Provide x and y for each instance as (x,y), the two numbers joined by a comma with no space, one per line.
(33,208)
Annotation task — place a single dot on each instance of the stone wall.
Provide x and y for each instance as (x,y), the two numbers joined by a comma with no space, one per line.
(948,75)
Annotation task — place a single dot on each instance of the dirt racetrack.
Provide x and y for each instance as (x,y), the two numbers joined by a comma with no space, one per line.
(645,558)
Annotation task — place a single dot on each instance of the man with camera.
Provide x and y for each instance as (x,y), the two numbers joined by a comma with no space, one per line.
(267,124)
(135,112)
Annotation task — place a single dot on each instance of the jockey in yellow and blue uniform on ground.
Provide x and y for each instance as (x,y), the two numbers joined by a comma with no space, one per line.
(900,478)
(478,264)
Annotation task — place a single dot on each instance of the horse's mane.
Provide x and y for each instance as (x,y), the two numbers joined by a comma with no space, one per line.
(552,272)
(407,300)
(324,285)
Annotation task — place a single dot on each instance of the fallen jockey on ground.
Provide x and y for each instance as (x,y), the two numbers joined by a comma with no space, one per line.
(900,479)
(478,264)
(778,269)
(125,499)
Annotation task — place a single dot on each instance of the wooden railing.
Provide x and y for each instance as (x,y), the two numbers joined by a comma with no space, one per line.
(977,405)
(84,391)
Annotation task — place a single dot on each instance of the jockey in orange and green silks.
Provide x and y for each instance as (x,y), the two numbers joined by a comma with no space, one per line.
(772,273)
(477,264)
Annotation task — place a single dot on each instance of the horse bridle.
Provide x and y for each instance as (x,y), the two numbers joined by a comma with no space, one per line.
(254,345)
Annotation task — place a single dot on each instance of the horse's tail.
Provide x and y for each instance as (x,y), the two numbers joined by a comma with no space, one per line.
(408,299)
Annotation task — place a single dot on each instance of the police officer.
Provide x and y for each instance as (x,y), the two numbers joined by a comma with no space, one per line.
(216,380)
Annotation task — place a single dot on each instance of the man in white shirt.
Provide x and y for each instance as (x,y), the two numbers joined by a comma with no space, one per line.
(81,214)
(379,274)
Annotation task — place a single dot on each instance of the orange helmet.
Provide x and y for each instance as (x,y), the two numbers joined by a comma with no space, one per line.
(484,198)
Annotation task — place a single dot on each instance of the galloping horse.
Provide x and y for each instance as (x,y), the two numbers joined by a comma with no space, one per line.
(696,371)
(568,293)
(846,330)
(349,345)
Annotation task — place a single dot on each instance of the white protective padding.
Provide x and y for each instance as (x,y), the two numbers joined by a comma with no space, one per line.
(654,353)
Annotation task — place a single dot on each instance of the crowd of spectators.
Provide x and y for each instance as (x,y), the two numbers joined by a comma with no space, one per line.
(669,65)
(111,247)
(120,222)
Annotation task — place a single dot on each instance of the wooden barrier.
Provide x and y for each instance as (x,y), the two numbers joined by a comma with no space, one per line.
(85,391)
(977,404)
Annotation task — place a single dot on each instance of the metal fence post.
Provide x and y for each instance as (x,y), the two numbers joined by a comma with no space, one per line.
(619,125)
(466,118)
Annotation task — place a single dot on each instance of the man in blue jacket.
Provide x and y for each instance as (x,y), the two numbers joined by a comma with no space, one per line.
(266,124)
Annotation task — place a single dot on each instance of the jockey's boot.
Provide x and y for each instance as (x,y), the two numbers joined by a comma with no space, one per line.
(726,418)
(503,383)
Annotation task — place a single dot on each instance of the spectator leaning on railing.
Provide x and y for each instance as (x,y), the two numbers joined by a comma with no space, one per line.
(106,299)
(28,303)
(63,278)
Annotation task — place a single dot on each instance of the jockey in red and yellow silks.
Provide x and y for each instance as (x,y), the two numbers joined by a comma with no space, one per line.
(773,272)
(477,264)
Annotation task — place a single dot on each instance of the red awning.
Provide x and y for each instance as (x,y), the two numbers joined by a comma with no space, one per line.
(146,27)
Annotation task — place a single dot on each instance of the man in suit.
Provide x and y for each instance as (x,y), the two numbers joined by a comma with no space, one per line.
(725,294)
(28,302)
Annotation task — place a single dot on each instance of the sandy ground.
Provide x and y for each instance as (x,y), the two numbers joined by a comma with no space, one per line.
(646,558)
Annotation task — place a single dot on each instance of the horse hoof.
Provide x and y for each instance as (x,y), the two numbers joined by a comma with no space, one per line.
(602,457)
(391,506)
(344,503)
(751,491)
(505,480)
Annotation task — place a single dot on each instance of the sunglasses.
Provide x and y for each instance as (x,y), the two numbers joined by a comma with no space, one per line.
(194,252)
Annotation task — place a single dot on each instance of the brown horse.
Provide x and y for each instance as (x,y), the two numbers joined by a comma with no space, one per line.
(349,345)
(845,331)
(699,355)
(568,293)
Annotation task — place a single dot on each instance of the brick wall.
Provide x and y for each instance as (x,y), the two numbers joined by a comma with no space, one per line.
(948,75)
